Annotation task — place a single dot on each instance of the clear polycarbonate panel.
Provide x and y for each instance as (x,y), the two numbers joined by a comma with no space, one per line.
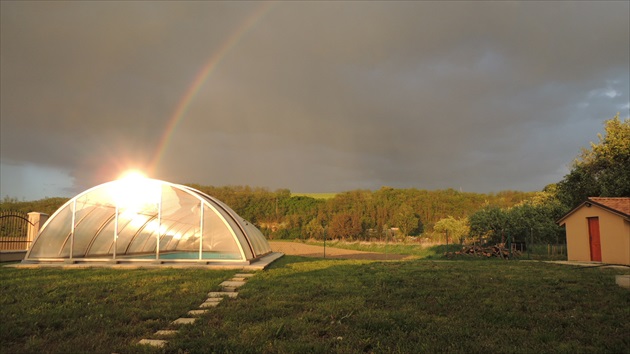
(127,233)
(170,239)
(257,239)
(185,209)
(186,234)
(167,231)
(103,244)
(187,239)
(173,201)
(51,240)
(164,241)
(180,235)
(99,196)
(150,243)
(217,237)
(231,218)
(83,216)
(87,229)
(144,236)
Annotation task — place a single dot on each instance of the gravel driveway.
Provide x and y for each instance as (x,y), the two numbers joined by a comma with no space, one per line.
(300,249)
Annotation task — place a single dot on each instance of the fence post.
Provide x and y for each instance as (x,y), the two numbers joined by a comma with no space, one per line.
(36,221)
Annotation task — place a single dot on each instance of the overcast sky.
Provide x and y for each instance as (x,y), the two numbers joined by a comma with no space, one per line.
(309,96)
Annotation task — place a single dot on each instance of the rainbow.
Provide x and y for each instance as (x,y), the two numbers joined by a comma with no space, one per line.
(200,79)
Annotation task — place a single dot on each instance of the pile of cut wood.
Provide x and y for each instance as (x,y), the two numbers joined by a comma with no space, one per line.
(498,251)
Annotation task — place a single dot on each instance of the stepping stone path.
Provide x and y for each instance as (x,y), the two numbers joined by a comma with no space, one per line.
(222,294)
(228,289)
(166,332)
(211,302)
(197,312)
(623,281)
(184,320)
(153,342)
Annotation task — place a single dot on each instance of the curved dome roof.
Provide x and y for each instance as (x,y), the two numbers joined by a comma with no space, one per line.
(126,220)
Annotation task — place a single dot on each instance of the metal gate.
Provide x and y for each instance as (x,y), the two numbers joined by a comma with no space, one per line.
(14,230)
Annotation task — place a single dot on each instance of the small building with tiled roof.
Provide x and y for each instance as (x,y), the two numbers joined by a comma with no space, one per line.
(598,230)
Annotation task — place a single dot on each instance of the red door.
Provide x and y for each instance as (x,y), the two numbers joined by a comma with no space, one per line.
(593,233)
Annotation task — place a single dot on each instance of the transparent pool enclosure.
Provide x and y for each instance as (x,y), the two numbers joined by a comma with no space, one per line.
(146,220)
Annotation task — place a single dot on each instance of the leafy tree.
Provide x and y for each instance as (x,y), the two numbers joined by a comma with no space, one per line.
(531,220)
(489,224)
(536,222)
(405,219)
(457,229)
(345,226)
(603,170)
(313,229)
(46,205)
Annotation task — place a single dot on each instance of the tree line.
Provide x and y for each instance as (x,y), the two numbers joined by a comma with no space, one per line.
(351,216)
(355,215)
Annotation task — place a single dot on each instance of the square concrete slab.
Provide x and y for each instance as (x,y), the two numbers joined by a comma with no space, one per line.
(222,294)
(232,284)
(237,279)
(243,275)
(166,332)
(153,342)
(623,281)
(197,312)
(208,304)
(184,321)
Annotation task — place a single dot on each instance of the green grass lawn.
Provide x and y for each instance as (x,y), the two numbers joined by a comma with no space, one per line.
(418,250)
(94,310)
(309,305)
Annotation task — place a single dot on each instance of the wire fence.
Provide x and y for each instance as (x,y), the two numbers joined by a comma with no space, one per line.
(541,251)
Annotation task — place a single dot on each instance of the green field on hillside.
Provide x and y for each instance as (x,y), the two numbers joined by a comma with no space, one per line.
(315,195)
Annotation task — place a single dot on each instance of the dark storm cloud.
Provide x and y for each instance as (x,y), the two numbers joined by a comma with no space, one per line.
(315,96)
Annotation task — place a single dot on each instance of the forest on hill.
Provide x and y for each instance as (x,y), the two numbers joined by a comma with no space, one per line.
(352,215)
(355,215)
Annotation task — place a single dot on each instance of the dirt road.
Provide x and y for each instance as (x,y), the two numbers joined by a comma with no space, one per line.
(300,249)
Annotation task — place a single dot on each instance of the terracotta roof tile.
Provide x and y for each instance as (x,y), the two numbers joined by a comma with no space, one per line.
(621,205)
